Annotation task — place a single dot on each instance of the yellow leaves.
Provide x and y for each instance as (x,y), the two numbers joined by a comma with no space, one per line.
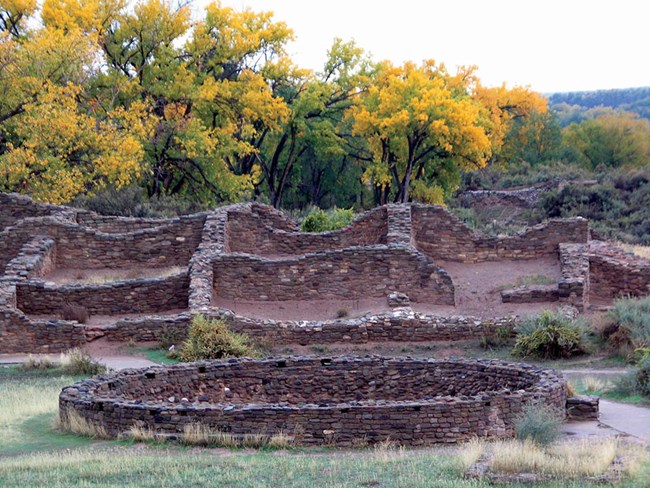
(235,35)
(503,105)
(18,7)
(64,151)
(158,20)
(417,119)
(86,15)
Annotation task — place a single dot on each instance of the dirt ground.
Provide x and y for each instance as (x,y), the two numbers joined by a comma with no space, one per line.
(102,320)
(478,288)
(106,275)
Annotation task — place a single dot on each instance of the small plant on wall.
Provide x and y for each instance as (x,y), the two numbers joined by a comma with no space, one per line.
(212,339)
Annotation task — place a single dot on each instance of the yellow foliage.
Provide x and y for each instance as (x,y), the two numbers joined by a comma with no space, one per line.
(503,105)
(417,119)
(64,151)
(87,15)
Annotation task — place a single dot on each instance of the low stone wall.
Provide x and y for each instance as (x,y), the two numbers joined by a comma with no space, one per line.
(582,408)
(531,294)
(18,334)
(249,231)
(523,198)
(615,273)
(15,207)
(574,286)
(441,236)
(35,258)
(337,400)
(353,272)
(134,296)
(400,325)
(158,328)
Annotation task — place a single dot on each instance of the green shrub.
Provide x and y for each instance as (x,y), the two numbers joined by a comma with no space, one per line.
(132,201)
(212,339)
(539,424)
(643,377)
(630,329)
(495,336)
(322,221)
(549,336)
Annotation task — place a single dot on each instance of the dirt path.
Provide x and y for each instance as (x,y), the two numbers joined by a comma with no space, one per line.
(631,419)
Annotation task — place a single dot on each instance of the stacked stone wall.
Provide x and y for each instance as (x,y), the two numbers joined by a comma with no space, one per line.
(399,325)
(134,296)
(338,400)
(15,207)
(118,225)
(18,334)
(251,233)
(574,284)
(353,272)
(152,328)
(441,236)
(615,273)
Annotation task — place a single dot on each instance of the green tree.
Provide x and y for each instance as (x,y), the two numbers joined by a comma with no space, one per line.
(613,140)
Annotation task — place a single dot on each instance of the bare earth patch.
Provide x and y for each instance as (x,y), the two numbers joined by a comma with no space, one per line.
(478,288)
(77,276)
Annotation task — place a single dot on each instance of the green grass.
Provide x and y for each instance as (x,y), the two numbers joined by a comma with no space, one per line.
(34,453)
(606,389)
(28,410)
(158,467)
(156,355)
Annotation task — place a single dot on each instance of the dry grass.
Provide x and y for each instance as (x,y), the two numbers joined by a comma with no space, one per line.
(642,251)
(71,421)
(38,363)
(591,384)
(78,362)
(141,434)
(201,435)
(93,278)
(470,453)
(567,459)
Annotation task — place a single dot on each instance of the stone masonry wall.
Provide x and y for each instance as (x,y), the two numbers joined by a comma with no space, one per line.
(249,232)
(397,325)
(15,207)
(134,296)
(574,285)
(441,236)
(339,400)
(615,273)
(353,272)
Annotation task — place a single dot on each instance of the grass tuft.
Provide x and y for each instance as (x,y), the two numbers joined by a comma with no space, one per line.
(71,421)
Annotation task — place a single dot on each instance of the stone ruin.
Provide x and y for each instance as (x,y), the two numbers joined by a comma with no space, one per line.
(396,273)
(334,401)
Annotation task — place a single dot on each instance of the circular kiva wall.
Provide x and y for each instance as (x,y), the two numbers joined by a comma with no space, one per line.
(338,400)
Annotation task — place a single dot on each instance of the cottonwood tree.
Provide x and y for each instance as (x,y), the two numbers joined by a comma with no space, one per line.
(53,145)
(422,128)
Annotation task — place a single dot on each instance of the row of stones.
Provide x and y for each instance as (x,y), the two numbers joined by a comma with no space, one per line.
(399,325)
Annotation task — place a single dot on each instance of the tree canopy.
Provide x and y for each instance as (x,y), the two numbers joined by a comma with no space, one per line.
(109,93)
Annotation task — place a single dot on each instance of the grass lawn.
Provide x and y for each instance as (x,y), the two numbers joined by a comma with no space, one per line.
(34,453)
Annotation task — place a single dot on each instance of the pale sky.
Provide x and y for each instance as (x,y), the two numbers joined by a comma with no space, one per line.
(550,45)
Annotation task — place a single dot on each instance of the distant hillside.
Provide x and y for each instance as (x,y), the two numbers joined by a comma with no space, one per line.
(574,106)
